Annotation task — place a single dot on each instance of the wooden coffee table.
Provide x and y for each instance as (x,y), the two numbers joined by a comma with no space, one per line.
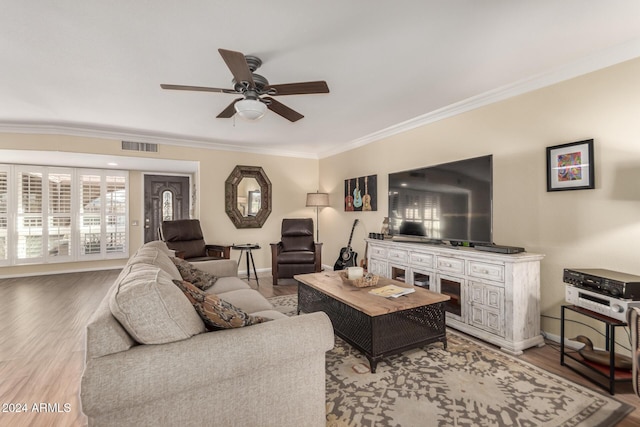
(374,325)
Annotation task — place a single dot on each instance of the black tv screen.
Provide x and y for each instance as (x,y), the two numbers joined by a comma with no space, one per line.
(448,202)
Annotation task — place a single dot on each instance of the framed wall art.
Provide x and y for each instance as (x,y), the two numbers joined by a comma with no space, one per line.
(361,194)
(570,166)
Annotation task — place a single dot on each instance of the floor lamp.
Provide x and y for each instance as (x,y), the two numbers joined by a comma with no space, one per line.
(317,200)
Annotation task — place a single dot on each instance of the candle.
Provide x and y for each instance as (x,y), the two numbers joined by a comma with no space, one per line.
(354,273)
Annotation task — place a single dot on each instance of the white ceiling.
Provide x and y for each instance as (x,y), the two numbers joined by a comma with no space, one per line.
(95,68)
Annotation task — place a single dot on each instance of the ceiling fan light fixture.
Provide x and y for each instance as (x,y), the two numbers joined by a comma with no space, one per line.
(252,86)
(250,109)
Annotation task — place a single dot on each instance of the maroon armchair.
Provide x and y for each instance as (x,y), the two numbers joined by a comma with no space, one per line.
(296,252)
(185,237)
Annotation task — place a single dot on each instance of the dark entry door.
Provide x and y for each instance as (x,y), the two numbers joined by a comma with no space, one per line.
(165,198)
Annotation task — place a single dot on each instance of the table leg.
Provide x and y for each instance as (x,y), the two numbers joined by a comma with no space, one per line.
(612,354)
(254,267)
(373,364)
(247,255)
(562,336)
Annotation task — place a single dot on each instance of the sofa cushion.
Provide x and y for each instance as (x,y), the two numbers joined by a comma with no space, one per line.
(215,312)
(219,267)
(157,257)
(270,314)
(150,307)
(159,244)
(194,275)
(248,300)
(105,335)
(226,284)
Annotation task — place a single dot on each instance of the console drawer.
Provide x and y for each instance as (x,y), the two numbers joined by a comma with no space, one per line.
(484,270)
(423,260)
(396,255)
(451,265)
(378,252)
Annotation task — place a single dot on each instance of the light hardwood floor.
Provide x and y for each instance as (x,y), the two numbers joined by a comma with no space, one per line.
(42,323)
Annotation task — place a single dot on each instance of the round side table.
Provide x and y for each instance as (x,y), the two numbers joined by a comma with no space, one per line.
(246,249)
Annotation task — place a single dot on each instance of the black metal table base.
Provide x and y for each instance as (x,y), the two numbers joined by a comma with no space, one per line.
(377,336)
(246,249)
(606,377)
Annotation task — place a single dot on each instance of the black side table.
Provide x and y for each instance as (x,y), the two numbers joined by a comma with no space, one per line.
(596,373)
(247,248)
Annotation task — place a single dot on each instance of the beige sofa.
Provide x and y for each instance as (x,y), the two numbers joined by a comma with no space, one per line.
(268,374)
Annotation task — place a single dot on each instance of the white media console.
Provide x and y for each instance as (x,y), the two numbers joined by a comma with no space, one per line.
(494,297)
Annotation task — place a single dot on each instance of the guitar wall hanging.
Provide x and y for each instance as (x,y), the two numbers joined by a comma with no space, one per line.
(354,200)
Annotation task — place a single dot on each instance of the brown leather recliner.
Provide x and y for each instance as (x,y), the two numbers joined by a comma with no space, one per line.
(185,237)
(296,252)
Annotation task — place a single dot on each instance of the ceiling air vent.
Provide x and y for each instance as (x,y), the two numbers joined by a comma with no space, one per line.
(139,146)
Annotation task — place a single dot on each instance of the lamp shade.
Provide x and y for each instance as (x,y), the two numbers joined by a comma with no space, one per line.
(317,199)
(250,109)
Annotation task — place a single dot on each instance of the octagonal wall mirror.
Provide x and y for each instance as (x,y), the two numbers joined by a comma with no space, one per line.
(247,197)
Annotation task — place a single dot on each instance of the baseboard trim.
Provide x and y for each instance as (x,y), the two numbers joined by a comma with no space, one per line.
(49,273)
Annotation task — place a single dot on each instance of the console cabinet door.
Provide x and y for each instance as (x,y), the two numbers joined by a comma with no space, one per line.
(378,267)
(398,272)
(454,287)
(486,307)
(423,278)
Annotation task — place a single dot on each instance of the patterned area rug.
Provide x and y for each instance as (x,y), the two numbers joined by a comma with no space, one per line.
(469,384)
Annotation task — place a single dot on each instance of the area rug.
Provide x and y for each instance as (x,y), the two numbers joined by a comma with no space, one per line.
(468,384)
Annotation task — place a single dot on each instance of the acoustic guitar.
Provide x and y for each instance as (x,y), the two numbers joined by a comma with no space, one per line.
(357,197)
(347,257)
(366,199)
(348,200)
(363,262)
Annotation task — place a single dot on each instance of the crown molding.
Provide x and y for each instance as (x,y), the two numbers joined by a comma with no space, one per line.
(115,133)
(588,64)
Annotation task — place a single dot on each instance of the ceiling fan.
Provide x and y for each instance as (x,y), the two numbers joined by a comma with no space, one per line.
(256,91)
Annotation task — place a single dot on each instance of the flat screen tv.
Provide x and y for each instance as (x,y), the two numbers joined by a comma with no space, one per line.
(448,202)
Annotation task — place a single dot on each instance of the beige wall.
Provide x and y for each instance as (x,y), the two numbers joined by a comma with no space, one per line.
(291,179)
(586,228)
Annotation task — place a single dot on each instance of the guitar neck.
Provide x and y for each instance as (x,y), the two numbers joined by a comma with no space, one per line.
(351,235)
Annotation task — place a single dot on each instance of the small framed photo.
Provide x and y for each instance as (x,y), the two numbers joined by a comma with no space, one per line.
(570,166)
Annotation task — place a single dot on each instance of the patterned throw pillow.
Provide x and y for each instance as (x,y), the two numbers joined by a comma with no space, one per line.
(215,312)
(193,275)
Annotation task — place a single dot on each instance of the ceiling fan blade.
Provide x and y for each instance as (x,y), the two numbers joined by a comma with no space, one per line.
(302,88)
(228,112)
(238,66)
(197,88)
(283,110)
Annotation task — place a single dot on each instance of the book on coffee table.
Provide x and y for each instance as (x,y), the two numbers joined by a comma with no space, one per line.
(391,291)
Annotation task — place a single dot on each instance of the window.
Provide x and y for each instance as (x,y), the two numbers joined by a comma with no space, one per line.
(52,214)
(4,212)
(167,205)
(29,215)
(59,214)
